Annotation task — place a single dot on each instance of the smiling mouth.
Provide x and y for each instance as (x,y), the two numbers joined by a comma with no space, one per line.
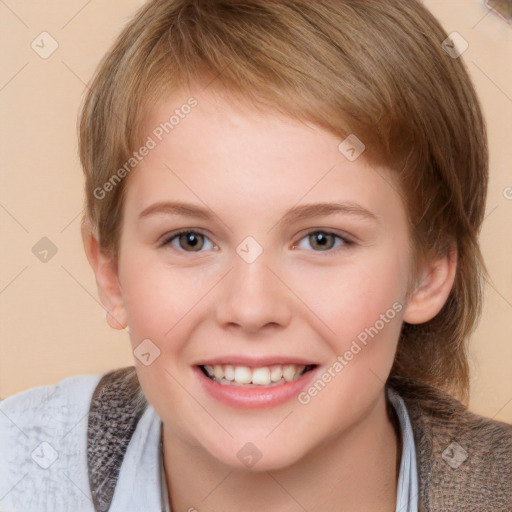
(265,376)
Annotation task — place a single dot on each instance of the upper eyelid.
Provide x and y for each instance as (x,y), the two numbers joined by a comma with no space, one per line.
(173,234)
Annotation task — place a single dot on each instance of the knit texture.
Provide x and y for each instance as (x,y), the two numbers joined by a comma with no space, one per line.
(113,417)
(464,460)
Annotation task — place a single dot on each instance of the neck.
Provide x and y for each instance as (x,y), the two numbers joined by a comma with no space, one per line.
(354,470)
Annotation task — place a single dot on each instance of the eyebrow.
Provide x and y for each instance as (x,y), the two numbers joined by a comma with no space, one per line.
(295,213)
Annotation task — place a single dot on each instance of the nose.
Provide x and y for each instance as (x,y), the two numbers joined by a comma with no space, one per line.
(253,298)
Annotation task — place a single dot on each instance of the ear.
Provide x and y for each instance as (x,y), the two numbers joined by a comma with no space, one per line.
(107,281)
(432,289)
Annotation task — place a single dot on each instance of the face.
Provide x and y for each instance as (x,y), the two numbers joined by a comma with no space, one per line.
(261,278)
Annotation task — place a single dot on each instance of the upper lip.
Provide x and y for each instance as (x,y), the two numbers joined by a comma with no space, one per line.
(255,362)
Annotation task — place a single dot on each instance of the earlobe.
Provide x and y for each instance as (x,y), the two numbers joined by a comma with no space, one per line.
(432,289)
(117,318)
(106,274)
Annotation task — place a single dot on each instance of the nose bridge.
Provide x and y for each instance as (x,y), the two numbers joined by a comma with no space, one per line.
(252,295)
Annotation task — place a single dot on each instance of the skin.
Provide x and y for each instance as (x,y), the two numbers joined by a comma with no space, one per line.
(339,451)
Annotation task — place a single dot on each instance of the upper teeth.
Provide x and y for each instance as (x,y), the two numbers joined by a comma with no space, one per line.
(263,376)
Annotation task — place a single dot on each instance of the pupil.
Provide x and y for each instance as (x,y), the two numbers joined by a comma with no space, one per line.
(321,239)
(191,239)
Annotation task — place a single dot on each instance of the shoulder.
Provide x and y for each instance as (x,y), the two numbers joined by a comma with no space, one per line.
(43,446)
(464,459)
(69,391)
(49,410)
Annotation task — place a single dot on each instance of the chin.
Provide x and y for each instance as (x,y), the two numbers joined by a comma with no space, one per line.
(253,457)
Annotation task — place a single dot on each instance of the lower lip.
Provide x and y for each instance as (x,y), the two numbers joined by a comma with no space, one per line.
(254,397)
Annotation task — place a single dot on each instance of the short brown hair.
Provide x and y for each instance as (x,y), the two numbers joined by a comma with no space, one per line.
(372,68)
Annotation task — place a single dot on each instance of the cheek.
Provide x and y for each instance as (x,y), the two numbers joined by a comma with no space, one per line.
(352,298)
(157,296)
(363,308)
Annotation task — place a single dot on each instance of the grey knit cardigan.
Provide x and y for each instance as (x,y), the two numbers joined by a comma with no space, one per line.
(464,460)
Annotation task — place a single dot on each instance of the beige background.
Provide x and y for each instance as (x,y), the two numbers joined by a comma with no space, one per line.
(51,323)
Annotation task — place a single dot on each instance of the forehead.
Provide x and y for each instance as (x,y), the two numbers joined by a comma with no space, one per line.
(222,151)
(231,128)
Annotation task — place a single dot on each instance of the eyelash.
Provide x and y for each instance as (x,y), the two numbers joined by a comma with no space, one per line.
(346,244)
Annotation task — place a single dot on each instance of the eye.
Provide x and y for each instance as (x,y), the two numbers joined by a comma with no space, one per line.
(187,239)
(193,241)
(325,241)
